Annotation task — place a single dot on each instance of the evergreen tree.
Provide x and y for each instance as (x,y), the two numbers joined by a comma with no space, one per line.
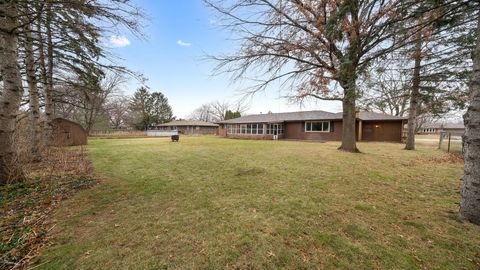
(141,106)
(161,110)
(149,108)
(231,115)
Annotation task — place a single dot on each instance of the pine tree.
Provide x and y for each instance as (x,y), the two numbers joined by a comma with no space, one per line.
(161,110)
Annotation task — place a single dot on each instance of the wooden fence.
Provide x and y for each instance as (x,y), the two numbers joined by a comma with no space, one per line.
(118,133)
(161,133)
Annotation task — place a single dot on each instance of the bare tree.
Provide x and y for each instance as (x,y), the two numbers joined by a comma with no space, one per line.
(386,88)
(117,111)
(218,109)
(215,111)
(86,101)
(203,113)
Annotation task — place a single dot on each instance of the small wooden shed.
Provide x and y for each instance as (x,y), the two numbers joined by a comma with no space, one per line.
(67,133)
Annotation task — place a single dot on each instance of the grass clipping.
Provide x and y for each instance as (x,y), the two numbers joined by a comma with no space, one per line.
(27,207)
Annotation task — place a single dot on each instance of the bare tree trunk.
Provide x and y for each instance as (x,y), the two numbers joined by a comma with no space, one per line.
(414,95)
(33,96)
(47,77)
(10,170)
(349,138)
(470,203)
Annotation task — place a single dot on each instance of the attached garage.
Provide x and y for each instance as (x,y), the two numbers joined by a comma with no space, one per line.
(381,131)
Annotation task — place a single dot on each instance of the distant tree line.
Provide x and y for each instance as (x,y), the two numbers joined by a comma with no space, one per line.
(219,111)
(109,108)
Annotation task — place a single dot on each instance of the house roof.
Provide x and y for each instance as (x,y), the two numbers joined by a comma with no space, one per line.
(432,125)
(372,116)
(178,123)
(453,126)
(305,116)
(444,125)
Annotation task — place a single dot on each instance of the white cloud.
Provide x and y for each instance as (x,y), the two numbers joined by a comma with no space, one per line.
(213,21)
(119,41)
(183,43)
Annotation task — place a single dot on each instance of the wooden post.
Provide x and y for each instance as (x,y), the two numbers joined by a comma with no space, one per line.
(449,137)
(441,140)
(360,135)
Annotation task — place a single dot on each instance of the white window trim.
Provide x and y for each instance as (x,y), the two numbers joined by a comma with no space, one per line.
(329,127)
(278,127)
(237,129)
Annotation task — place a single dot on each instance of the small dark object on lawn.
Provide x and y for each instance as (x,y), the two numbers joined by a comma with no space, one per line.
(175,138)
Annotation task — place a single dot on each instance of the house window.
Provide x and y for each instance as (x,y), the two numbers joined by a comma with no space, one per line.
(317,126)
(275,129)
(259,128)
(232,129)
(245,129)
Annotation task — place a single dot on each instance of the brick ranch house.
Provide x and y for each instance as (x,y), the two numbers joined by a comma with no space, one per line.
(313,125)
(188,127)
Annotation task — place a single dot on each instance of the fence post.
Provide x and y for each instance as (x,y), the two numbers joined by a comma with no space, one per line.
(449,137)
(441,140)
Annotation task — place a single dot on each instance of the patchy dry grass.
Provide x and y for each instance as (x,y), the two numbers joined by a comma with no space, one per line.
(217,203)
(26,208)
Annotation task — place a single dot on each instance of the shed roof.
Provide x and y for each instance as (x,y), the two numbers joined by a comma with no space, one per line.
(179,123)
(305,116)
(59,119)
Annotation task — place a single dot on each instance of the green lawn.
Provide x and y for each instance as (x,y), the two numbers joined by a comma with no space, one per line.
(215,203)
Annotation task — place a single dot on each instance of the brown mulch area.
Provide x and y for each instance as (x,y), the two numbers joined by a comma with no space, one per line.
(451,158)
(27,207)
(448,158)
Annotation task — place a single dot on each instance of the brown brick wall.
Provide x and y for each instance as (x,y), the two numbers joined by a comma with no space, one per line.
(296,131)
(222,131)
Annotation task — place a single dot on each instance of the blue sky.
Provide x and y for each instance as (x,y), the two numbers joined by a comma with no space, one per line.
(179,35)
